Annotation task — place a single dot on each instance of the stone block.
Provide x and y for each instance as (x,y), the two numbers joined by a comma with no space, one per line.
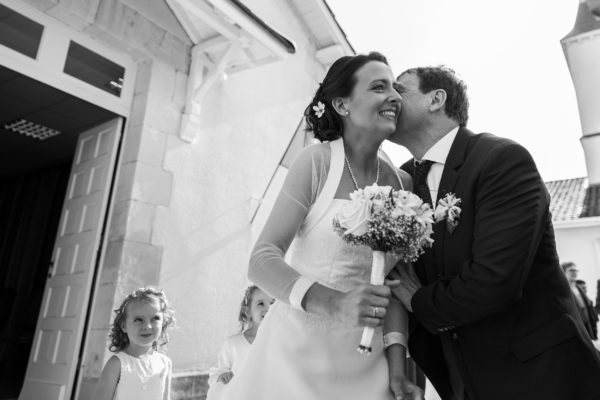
(152,41)
(118,222)
(114,17)
(140,222)
(131,142)
(112,261)
(152,185)
(141,266)
(83,10)
(87,388)
(96,350)
(144,144)
(180,89)
(162,114)
(139,106)
(189,387)
(113,41)
(144,74)
(125,181)
(162,79)
(174,51)
(190,127)
(141,31)
(135,30)
(102,310)
(43,5)
(131,220)
(155,111)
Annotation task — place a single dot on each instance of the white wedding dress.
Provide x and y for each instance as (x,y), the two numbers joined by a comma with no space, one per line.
(302,356)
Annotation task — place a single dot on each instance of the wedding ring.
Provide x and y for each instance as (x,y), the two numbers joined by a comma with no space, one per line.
(376,311)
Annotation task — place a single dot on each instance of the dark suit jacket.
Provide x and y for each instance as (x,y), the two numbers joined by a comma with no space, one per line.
(495,286)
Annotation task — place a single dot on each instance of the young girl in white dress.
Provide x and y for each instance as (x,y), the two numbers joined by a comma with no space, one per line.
(138,370)
(253,309)
(306,347)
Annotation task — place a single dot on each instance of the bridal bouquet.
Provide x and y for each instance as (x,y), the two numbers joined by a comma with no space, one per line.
(386,220)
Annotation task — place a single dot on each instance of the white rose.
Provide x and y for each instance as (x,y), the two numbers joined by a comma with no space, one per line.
(354,216)
(378,203)
(402,210)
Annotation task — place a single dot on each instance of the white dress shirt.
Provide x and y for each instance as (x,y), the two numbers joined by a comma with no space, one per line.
(438,154)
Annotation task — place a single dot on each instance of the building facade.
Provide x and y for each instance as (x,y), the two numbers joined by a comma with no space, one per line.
(166,126)
(576,202)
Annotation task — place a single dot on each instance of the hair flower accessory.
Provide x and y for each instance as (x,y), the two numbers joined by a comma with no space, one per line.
(319,109)
(448,209)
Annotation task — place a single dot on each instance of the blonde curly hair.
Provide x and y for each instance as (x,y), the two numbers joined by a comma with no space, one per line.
(119,339)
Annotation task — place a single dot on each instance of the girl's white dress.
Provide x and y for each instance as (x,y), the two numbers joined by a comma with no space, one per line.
(143,378)
(302,356)
(230,358)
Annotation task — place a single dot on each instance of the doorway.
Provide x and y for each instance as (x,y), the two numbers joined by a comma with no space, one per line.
(39,130)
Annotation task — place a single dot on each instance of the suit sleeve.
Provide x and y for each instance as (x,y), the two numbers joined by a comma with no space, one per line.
(511,213)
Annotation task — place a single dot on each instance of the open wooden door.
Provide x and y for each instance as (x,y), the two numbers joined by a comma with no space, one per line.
(54,354)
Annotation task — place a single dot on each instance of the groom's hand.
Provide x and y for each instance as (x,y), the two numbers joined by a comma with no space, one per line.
(409,283)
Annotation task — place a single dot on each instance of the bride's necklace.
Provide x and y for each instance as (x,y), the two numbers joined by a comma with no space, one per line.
(352,173)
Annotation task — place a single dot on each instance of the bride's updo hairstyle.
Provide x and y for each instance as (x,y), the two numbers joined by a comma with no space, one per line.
(322,119)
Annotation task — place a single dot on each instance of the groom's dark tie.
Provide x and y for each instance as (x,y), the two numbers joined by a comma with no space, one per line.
(420,180)
(421,189)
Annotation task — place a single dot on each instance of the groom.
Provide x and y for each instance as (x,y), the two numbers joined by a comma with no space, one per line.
(493,317)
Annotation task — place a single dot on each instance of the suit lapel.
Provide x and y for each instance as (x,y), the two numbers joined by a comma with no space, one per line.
(455,159)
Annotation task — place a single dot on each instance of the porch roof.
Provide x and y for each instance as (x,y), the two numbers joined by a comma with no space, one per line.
(572,199)
(287,44)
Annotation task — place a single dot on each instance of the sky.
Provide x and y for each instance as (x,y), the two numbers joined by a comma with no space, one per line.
(509,54)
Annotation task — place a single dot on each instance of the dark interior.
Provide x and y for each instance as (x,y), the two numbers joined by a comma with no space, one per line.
(33,180)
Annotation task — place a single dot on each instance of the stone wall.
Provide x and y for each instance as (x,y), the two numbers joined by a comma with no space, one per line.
(246,124)
(181,215)
(189,387)
(131,258)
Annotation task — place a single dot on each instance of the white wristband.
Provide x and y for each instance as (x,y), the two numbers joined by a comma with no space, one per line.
(298,292)
(393,338)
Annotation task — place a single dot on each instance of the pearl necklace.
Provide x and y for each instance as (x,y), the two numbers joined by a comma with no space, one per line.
(352,173)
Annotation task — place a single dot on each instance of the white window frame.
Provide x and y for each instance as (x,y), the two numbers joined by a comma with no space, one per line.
(48,66)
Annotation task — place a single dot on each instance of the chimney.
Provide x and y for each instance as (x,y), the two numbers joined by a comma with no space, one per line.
(582,51)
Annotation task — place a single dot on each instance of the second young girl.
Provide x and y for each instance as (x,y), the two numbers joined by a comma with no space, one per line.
(138,370)
(254,307)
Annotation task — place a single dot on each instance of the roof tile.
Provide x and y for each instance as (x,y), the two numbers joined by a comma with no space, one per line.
(591,204)
(567,199)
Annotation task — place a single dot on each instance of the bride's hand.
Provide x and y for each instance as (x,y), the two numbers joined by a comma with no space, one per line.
(365,305)
(404,389)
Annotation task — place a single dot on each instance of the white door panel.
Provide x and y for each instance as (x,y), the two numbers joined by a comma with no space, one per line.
(53,359)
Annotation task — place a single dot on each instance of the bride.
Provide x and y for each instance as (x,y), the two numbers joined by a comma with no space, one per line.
(306,346)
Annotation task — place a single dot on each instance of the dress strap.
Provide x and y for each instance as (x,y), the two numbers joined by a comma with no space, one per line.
(323,201)
(388,160)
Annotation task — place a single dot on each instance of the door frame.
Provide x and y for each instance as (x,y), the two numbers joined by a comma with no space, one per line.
(47,68)
(93,290)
